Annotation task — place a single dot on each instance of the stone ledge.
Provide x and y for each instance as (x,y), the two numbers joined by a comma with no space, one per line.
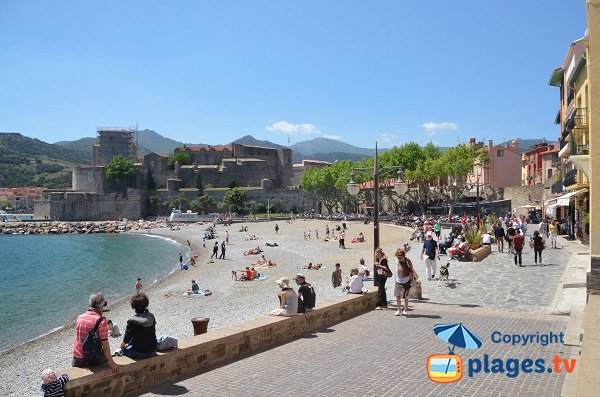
(212,348)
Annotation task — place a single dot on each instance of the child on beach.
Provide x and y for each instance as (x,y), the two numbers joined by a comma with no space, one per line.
(113,330)
(51,385)
(138,286)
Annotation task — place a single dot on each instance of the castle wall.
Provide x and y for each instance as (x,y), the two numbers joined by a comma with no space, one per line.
(80,206)
(89,179)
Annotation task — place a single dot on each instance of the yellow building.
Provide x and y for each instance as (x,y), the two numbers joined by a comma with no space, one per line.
(572,196)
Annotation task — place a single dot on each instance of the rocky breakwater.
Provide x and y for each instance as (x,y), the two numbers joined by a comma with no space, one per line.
(78,227)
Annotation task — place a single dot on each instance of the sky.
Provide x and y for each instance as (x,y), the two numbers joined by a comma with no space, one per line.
(359,71)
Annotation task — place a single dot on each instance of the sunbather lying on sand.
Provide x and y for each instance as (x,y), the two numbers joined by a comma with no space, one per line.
(268,264)
(271,244)
(252,237)
(310,266)
(253,251)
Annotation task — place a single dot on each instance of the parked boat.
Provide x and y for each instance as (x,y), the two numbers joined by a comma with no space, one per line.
(178,216)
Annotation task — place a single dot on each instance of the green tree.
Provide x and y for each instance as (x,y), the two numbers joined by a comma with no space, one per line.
(179,202)
(198,181)
(151,184)
(183,158)
(231,184)
(328,183)
(236,198)
(204,204)
(119,169)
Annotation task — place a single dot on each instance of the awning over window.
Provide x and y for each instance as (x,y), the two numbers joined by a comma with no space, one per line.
(556,77)
(551,209)
(563,201)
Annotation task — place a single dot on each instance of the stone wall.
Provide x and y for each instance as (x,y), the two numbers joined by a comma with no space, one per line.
(81,206)
(525,195)
(291,199)
(213,348)
(89,179)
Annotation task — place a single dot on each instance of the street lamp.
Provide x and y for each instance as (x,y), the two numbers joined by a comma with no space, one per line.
(353,189)
(468,188)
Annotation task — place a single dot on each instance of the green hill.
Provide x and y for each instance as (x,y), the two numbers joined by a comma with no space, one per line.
(30,162)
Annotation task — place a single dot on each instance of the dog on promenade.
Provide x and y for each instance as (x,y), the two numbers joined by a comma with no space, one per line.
(444,274)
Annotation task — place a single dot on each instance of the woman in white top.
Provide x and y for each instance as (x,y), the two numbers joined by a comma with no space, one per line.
(403,278)
(288,299)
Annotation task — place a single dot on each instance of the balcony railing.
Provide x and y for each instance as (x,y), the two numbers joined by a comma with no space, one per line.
(581,116)
(563,141)
(580,149)
(570,178)
(558,187)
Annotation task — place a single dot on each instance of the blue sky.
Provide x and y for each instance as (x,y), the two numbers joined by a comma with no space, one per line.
(211,71)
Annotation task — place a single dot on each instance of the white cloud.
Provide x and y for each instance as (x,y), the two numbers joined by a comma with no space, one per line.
(336,137)
(293,129)
(387,138)
(432,127)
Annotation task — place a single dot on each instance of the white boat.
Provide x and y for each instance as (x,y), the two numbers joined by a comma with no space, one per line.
(178,216)
(6,217)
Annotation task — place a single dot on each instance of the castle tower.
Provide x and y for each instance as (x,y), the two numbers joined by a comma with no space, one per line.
(113,142)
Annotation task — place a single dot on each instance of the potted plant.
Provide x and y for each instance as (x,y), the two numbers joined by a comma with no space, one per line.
(474,237)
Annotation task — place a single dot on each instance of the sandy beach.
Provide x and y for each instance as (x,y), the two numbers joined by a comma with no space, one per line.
(231,302)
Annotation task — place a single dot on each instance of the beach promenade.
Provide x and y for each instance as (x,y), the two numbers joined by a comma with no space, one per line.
(493,294)
(231,302)
(379,354)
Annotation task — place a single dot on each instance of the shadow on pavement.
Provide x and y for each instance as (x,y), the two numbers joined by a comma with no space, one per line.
(424,316)
(171,390)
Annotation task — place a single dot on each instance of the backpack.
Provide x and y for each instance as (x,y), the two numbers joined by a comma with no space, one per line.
(166,343)
(92,346)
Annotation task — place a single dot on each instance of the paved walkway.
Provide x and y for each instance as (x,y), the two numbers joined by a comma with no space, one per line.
(378,354)
(496,282)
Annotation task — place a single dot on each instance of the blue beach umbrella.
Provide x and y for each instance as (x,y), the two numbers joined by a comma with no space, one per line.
(457,335)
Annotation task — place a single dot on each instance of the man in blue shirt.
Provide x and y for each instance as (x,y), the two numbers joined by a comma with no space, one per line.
(430,249)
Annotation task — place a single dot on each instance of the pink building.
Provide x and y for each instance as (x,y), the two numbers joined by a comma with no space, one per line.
(505,165)
(533,164)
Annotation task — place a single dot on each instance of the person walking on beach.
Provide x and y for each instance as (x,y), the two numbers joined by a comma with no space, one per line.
(138,286)
(342,238)
(430,249)
(215,250)
(227,237)
(180,259)
(222,256)
(336,276)
(327,231)
(276,229)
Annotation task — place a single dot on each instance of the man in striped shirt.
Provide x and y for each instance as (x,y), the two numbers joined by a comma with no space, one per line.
(85,324)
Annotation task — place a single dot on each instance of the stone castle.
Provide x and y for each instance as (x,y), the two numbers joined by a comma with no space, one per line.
(93,197)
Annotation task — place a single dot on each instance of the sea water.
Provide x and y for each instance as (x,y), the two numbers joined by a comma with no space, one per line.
(46,280)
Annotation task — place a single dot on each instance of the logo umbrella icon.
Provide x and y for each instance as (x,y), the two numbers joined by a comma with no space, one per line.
(446,368)
(457,335)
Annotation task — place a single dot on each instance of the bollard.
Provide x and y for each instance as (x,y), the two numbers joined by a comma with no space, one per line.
(200,325)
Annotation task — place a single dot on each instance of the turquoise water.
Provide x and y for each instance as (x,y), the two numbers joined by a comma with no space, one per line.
(45,281)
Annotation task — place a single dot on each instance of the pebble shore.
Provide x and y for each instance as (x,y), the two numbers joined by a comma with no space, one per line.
(56,227)
(231,302)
